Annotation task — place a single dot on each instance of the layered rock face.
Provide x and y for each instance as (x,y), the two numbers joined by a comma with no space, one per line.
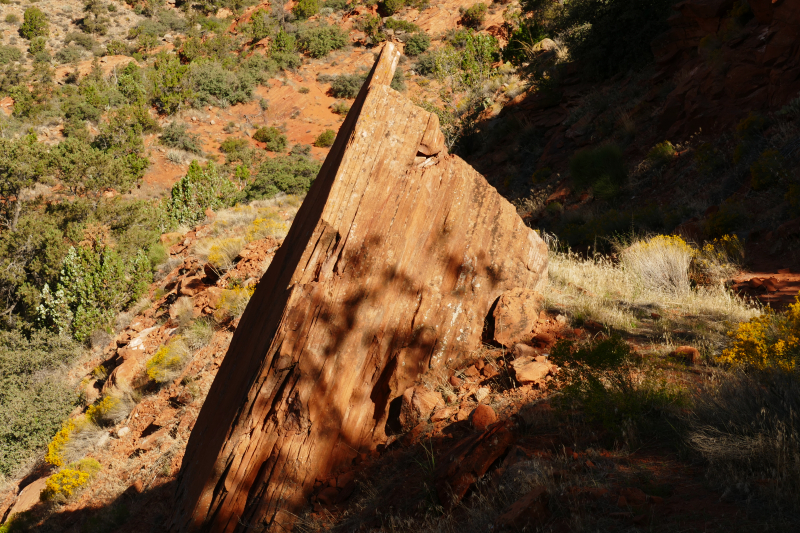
(731,65)
(391,267)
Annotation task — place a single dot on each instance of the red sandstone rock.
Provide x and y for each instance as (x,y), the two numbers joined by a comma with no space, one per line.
(516,314)
(687,354)
(529,512)
(418,404)
(531,370)
(482,417)
(468,461)
(390,268)
(28,497)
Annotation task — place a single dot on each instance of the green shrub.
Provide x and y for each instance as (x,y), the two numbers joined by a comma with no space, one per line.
(34,24)
(390,7)
(417,44)
(69,54)
(336,5)
(275,140)
(602,165)
(232,145)
(176,136)
(117,48)
(37,45)
(474,16)
(81,39)
(605,382)
(260,25)
(340,108)
(372,27)
(169,84)
(325,139)
(33,398)
(304,9)
(345,85)
(95,19)
(402,25)
(201,189)
(70,480)
(9,54)
(320,41)
(212,82)
(93,286)
(12,18)
(290,174)
(661,154)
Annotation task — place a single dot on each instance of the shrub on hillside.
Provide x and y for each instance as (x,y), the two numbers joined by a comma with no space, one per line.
(660,263)
(321,40)
(283,50)
(769,341)
(94,284)
(340,108)
(767,170)
(602,165)
(233,145)
(34,399)
(346,85)
(176,136)
(304,9)
(661,154)
(325,139)
(69,54)
(168,361)
(9,54)
(390,7)
(200,189)
(232,303)
(274,139)
(474,16)
(34,24)
(417,44)
(169,83)
(213,83)
(70,480)
(291,174)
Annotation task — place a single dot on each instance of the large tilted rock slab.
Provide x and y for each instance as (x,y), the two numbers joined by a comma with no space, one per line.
(391,267)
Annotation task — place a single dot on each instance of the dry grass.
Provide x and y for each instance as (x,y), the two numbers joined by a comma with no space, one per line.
(598,289)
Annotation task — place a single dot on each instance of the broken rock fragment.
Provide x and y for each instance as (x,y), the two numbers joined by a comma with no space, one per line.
(390,269)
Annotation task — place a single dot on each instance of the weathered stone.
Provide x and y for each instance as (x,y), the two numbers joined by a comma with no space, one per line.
(482,417)
(28,497)
(390,268)
(516,314)
(418,404)
(529,512)
(529,370)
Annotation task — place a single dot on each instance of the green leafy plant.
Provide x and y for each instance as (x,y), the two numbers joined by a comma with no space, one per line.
(175,135)
(233,145)
(34,24)
(661,154)
(200,189)
(70,480)
(340,108)
(291,174)
(325,139)
(319,41)
(474,16)
(274,139)
(304,9)
(390,7)
(417,44)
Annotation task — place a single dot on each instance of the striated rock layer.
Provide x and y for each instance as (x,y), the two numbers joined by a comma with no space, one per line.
(391,267)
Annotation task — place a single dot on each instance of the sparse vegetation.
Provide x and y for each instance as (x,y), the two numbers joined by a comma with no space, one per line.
(175,135)
(168,361)
(325,139)
(274,138)
(70,479)
(474,16)
(34,24)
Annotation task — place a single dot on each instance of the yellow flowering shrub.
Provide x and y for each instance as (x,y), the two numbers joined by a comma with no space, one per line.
(168,361)
(57,446)
(100,411)
(70,479)
(266,227)
(223,252)
(661,262)
(771,340)
(233,302)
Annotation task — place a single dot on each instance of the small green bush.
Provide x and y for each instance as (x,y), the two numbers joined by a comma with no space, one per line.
(340,108)
(372,27)
(290,174)
(12,18)
(402,25)
(661,154)
(9,54)
(260,25)
(325,139)
(176,136)
(34,24)
(168,361)
(37,45)
(320,41)
(390,7)
(201,189)
(34,399)
(603,165)
(336,5)
(274,139)
(767,170)
(86,42)
(232,145)
(417,44)
(304,9)
(70,480)
(474,16)
(212,82)
(69,54)
(347,85)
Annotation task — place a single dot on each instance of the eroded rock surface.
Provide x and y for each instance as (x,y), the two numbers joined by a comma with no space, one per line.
(390,268)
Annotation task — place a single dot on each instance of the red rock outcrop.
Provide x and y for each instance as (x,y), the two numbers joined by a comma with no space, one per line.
(391,267)
(732,65)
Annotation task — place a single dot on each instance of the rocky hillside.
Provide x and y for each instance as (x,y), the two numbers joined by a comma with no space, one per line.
(505,264)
